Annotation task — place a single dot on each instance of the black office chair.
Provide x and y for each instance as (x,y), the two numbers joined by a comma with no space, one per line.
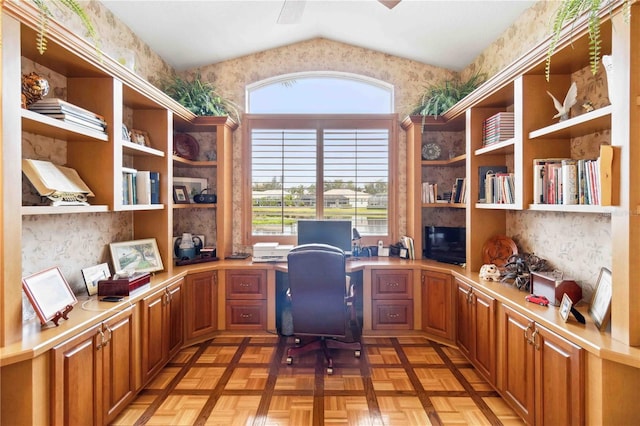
(322,302)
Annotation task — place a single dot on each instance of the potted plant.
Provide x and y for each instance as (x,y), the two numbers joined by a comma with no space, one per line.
(438,98)
(199,97)
(570,11)
(45,14)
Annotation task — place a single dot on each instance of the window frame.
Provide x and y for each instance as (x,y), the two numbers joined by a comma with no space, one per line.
(318,121)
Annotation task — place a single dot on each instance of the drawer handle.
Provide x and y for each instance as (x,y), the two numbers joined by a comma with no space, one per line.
(534,339)
(245,285)
(393,284)
(526,334)
(390,316)
(246,316)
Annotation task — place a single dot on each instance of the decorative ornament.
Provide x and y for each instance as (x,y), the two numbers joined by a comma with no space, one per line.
(34,88)
(569,101)
(431,151)
(489,272)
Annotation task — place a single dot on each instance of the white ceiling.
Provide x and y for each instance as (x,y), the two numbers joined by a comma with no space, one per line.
(448,34)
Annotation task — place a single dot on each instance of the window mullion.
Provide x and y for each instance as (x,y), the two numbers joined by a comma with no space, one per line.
(320,172)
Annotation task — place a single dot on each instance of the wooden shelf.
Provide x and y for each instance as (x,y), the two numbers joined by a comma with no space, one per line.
(504,147)
(33,122)
(42,210)
(136,207)
(571,208)
(491,206)
(183,162)
(585,124)
(131,148)
(195,206)
(445,205)
(455,161)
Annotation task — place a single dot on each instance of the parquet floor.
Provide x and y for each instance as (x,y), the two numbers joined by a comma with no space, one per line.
(246,381)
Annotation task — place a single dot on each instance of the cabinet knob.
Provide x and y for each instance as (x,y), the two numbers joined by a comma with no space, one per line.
(246,316)
(393,316)
(393,284)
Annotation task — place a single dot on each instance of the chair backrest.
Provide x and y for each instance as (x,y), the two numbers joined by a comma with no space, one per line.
(317,283)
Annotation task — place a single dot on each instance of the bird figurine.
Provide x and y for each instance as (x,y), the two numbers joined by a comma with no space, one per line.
(569,101)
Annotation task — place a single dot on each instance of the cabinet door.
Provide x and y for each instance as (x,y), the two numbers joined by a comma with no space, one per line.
(201,311)
(437,318)
(176,317)
(517,385)
(119,383)
(484,328)
(154,334)
(559,380)
(76,381)
(464,335)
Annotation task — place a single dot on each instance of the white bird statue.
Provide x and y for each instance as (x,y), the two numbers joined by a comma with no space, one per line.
(569,101)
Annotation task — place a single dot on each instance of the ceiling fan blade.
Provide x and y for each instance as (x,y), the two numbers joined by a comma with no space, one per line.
(390,3)
(291,11)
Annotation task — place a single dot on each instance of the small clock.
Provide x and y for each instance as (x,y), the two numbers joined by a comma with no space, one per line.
(430,151)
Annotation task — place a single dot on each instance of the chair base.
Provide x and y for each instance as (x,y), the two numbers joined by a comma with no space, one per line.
(325,344)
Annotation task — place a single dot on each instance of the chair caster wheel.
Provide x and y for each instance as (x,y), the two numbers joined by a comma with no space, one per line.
(289,360)
(329,371)
(357,354)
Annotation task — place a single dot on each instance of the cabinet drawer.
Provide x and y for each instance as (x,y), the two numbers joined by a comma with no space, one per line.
(246,315)
(246,285)
(393,315)
(391,284)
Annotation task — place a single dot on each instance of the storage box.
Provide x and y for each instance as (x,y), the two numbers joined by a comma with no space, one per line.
(553,287)
(122,286)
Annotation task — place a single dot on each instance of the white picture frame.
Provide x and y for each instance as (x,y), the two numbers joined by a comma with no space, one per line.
(136,256)
(49,294)
(194,185)
(565,307)
(600,306)
(93,274)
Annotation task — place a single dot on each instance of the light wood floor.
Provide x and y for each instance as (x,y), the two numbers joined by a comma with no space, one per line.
(246,381)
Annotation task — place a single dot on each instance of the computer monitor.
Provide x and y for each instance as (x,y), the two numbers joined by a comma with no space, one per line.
(333,232)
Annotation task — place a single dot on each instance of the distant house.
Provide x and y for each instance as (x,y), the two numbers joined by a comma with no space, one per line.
(270,197)
(345,198)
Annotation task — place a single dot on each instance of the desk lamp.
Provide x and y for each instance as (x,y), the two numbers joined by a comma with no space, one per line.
(355,242)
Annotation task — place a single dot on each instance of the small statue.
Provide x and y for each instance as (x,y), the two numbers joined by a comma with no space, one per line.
(569,101)
(34,88)
(489,272)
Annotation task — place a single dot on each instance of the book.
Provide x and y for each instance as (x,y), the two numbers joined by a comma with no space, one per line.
(143,187)
(155,187)
(569,182)
(62,185)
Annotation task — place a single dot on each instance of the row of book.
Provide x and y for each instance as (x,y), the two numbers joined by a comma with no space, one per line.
(430,193)
(497,128)
(499,188)
(407,243)
(69,113)
(459,191)
(140,186)
(566,181)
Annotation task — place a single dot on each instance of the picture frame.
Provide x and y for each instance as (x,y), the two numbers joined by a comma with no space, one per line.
(198,243)
(194,185)
(565,307)
(180,194)
(93,274)
(49,294)
(140,137)
(600,306)
(136,256)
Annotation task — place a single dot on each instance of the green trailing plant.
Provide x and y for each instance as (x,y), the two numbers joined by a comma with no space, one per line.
(570,11)
(45,16)
(438,98)
(199,97)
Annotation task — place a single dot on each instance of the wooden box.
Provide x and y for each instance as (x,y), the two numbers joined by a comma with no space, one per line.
(122,286)
(554,287)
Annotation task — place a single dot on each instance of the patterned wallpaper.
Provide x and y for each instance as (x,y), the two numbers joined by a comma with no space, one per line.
(576,243)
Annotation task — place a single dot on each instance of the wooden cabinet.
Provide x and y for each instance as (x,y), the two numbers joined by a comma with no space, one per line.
(392,299)
(93,373)
(246,297)
(476,328)
(437,308)
(201,306)
(162,328)
(542,373)
(449,137)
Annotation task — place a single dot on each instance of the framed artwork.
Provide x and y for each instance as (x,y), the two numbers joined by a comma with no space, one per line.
(50,295)
(565,306)
(194,185)
(93,274)
(140,137)
(180,194)
(600,307)
(136,256)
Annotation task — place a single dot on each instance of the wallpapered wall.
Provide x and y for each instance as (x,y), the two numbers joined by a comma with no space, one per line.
(575,243)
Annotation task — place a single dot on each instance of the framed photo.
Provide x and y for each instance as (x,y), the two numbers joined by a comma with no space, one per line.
(198,244)
(180,194)
(93,274)
(565,307)
(600,307)
(50,294)
(140,137)
(194,185)
(136,256)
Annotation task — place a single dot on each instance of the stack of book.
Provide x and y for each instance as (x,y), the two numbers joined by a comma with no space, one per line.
(497,128)
(499,188)
(429,192)
(70,113)
(140,187)
(566,181)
